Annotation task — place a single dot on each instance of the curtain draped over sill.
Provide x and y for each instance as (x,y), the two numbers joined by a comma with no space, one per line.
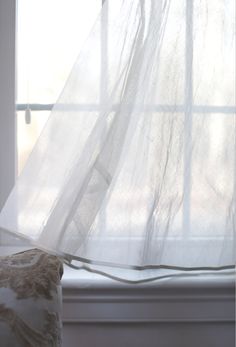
(135,168)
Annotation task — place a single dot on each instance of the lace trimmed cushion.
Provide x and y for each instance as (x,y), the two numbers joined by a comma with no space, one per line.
(30,300)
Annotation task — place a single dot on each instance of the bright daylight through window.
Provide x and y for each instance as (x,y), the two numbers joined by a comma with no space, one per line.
(49,37)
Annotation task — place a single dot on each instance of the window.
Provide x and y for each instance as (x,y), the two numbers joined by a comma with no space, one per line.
(37,51)
(185,16)
(43,28)
(49,37)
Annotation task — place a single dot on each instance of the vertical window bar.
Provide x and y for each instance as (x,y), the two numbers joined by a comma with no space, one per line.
(104,74)
(104,53)
(188,117)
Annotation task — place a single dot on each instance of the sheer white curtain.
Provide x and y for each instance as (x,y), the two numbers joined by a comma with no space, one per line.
(136,166)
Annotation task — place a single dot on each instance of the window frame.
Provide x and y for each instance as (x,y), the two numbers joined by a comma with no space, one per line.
(7,98)
(8,135)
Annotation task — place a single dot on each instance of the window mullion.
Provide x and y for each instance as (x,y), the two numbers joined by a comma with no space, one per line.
(7,98)
(104,75)
(188,118)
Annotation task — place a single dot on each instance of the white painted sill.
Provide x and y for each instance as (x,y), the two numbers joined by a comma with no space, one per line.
(91,298)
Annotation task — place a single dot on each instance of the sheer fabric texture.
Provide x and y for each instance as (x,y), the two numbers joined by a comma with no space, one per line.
(136,166)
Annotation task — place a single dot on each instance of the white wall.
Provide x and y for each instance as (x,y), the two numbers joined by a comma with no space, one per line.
(149,335)
(7,98)
(197,312)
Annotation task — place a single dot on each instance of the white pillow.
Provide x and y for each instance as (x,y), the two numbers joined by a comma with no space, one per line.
(30,300)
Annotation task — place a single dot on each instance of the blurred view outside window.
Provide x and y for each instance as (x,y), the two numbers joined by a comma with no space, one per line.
(50,34)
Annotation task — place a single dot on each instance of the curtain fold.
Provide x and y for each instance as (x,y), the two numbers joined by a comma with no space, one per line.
(137,178)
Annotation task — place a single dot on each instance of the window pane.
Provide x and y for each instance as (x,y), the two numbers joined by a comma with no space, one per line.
(49,37)
(214,52)
(27,134)
(213,172)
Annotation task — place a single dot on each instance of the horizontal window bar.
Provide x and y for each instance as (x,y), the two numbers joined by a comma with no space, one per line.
(148,108)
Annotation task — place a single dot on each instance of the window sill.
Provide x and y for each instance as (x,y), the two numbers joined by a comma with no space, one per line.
(91,298)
